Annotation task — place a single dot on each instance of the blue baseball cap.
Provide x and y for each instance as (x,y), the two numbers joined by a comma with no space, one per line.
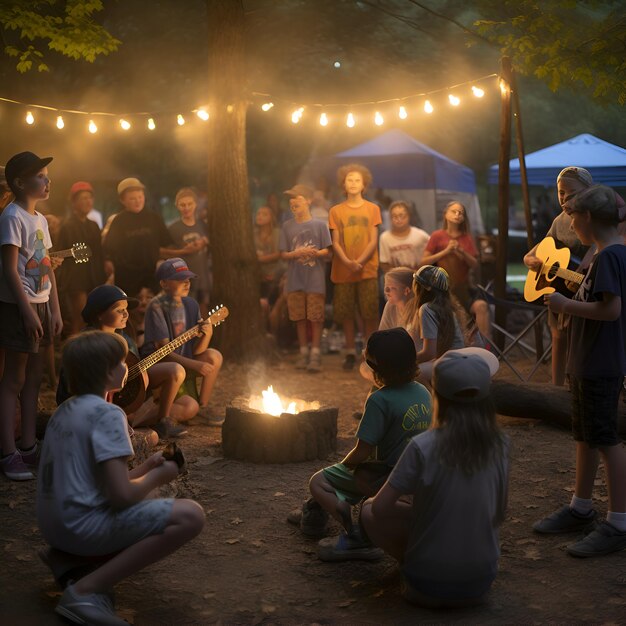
(174,269)
(101,298)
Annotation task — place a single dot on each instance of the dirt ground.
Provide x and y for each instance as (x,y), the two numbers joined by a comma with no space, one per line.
(250,567)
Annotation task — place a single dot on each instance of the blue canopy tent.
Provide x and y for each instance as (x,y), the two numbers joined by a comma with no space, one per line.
(406,169)
(605,161)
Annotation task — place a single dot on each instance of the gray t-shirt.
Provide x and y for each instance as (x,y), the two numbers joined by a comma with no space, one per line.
(561,231)
(307,276)
(429,327)
(82,433)
(453,545)
(198,262)
(392,318)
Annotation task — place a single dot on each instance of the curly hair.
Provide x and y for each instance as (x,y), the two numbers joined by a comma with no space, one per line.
(344,170)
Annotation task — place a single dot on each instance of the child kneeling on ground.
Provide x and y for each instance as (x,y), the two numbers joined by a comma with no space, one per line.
(393,414)
(88,502)
(446,541)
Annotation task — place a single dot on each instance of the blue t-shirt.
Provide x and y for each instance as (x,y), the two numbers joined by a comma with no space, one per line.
(165,320)
(597,349)
(392,416)
(309,275)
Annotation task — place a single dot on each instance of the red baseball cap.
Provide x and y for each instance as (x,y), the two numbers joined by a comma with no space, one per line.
(80,186)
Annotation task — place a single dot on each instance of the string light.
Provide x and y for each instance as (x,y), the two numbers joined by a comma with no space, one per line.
(477,91)
(428,107)
(180,119)
(454,101)
(203,114)
(350,121)
(92,127)
(378,119)
(402,114)
(30,118)
(151,124)
(60,122)
(125,124)
(323,119)
(267,106)
(296,116)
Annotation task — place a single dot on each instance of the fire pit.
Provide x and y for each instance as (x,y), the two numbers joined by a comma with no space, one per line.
(271,429)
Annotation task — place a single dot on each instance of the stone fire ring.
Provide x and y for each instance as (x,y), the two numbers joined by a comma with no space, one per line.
(249,435)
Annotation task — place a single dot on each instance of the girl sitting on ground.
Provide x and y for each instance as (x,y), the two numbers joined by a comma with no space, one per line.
(446,541)
(434,316)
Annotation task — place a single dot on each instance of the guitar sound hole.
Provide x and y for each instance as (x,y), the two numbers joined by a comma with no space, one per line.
(127,395)
(551,274)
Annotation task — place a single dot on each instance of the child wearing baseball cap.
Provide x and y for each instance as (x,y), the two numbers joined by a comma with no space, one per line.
(393,414)
(457,472)
(171,313)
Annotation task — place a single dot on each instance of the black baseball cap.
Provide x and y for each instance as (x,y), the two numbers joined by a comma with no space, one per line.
(24,164)
(387,349)
(101,298)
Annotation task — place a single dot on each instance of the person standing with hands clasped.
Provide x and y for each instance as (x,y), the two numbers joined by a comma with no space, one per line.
(29,308)
(596,365)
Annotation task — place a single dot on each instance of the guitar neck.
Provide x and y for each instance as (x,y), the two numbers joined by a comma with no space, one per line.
(574,277)
(62,254)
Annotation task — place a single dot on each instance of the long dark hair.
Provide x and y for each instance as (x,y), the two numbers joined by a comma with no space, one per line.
(468,436)
(464,226)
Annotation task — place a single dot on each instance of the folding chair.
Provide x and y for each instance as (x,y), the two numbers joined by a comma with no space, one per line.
(538,316)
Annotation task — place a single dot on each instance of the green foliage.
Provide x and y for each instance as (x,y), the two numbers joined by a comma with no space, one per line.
(564,43)
(66,27)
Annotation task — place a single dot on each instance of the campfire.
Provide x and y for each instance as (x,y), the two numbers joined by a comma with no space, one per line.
(270,428)
(273,404)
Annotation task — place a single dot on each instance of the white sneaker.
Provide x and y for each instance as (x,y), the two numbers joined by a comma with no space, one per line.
(92,608)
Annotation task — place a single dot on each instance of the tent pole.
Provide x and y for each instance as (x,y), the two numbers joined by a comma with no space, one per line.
(504,157)
(521,154)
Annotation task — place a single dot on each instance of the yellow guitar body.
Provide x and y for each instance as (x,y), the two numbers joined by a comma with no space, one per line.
(539,283)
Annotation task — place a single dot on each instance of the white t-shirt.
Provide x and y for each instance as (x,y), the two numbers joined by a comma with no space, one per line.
(406,251)
(30,234)
(453,545)
(82,433)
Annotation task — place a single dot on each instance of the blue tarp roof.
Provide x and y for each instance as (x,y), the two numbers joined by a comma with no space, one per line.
(397,161)
(605,161)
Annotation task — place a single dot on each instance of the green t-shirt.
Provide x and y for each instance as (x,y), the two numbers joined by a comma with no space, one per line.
(392,416)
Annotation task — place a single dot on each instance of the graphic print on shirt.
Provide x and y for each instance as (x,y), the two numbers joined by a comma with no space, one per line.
(38,268)
(304,239)
(354,233)
(417,417)
(584,291)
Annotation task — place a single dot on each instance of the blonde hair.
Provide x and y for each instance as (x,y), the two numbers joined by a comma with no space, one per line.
(186,192)
(89,357)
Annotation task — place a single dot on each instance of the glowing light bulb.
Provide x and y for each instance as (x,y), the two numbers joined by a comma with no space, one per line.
(30,118)
(378,119)
(428,107)
(125,124)
(477,91)
(267,106)
(296,116)
(60,122)
(337,64)
(323,119)
(350,121)
(151,124)
(92,127)
(180,119)
(454,101)
(203,114)
(402,114)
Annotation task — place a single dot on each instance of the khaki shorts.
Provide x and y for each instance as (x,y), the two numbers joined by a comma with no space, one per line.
(305,306)
(13,335)
(346,297)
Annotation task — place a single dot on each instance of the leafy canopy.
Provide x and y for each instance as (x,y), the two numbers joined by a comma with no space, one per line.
(66,25)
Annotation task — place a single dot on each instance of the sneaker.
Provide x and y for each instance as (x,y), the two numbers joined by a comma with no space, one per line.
(565,520)
(168,428)
(92,608)
(31,458)
(302,361)
(212,418)
(14,467)
(348,547)
(349,362)
(315,363)
(313,519)
(603,539)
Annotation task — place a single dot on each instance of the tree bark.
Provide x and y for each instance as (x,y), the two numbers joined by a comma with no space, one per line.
(235,267)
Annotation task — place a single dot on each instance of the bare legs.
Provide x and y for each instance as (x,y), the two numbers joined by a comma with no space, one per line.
(324,494)
(208,382)
(559,356)
(391,532)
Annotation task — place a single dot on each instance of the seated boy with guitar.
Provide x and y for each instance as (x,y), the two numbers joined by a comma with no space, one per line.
(169,315)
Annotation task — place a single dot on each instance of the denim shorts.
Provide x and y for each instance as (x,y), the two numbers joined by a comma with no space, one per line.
(594,410)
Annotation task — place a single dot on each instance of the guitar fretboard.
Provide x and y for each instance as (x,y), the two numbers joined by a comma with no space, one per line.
(63,254)
(574,277)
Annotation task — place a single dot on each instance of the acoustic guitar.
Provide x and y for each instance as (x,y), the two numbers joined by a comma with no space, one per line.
(133,394)
(80,252)
(554,265)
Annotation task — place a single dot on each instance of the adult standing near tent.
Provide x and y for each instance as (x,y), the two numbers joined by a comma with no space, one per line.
(453,248)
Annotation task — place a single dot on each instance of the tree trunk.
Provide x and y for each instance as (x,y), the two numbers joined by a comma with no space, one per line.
(542,401)
(235,267)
